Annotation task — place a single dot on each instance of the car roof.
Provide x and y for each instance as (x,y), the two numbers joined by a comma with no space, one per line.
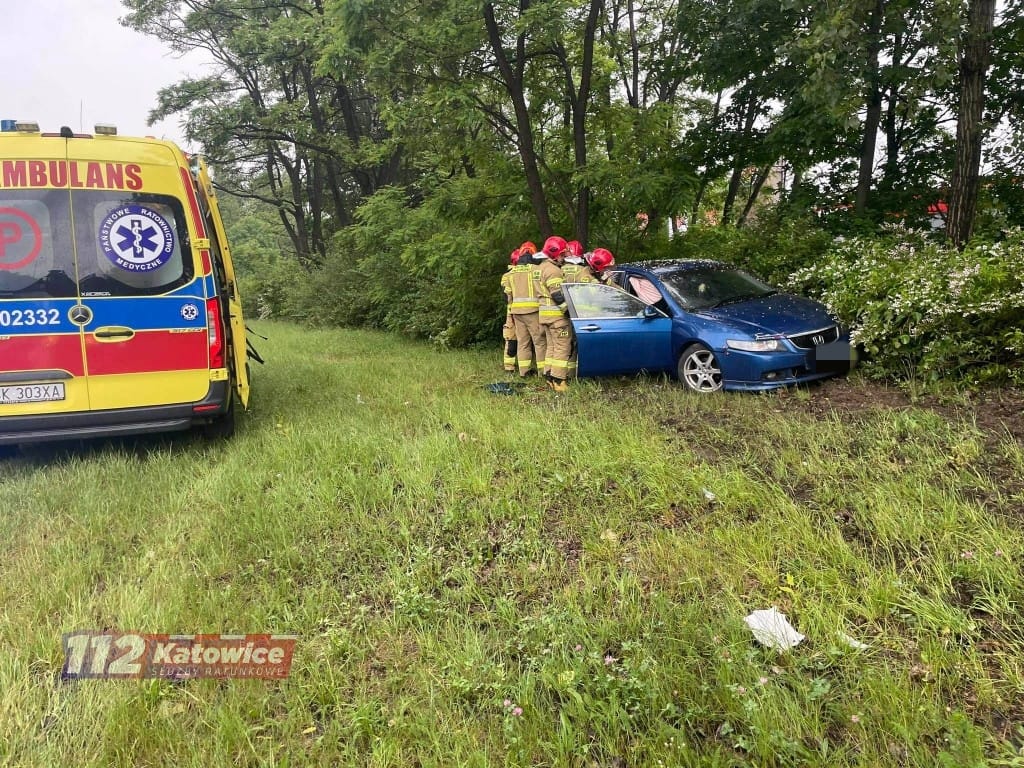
(672,265)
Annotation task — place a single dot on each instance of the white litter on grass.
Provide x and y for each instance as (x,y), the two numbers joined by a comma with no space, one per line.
(709,495)
(853,642)
(772,629)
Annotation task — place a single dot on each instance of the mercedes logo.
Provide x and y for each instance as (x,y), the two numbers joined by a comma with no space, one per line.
(80,314)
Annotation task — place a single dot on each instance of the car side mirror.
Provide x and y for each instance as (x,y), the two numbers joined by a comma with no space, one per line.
(650,313)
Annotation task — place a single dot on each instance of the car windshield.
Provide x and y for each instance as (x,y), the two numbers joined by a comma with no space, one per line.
(709,287)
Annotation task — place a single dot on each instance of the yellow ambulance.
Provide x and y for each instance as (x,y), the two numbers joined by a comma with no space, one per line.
(119,310)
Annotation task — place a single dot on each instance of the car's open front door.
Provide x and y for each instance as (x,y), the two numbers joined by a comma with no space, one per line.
(616,332)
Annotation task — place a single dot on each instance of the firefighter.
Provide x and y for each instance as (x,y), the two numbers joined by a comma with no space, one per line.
(508,330)
(575,269)
(553,319)
(599,260)
(523,306)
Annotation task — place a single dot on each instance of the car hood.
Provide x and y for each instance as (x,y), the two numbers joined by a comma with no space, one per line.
(782,313)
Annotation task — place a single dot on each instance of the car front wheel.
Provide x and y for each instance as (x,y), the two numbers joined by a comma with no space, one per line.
(698,369)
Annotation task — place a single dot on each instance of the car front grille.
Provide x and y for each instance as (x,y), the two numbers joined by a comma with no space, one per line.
(816,338)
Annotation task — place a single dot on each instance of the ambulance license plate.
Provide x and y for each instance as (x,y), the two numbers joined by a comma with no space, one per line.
(31,393)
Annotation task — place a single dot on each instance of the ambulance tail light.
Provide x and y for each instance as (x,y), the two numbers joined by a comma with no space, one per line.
(215,333)
(106,129)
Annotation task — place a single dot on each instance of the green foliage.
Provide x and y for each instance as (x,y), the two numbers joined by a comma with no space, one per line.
(430,271)
(261,252)
(924,309)
(773,247)
(406,146)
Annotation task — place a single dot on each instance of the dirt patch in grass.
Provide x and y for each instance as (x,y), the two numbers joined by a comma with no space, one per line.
(841,396)
(997,412)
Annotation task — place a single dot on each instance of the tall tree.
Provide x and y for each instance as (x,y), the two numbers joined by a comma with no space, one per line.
(873,110)
(276,127)
(578,97)
(975,56)
(513,71)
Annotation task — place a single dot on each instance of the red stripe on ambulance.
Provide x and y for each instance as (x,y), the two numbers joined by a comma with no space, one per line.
(50,352)
(148,352)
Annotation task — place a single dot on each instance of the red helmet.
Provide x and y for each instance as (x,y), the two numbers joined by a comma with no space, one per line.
(574,247)
(514,258)
(554,247)
(600,259)
(527,249)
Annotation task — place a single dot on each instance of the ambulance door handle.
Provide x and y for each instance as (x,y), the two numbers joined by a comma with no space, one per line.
(113,333)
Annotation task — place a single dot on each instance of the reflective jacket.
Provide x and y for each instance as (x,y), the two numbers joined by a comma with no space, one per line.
(520,290)
(577,273)
(547,278)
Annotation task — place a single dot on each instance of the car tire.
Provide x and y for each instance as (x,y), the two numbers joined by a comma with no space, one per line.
(698,370)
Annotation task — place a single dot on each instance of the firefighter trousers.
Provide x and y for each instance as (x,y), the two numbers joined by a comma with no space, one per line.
(508,337)
(530,346)
(558,336)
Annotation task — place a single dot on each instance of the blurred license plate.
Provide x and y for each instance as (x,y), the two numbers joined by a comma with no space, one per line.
(31,393)
(832,357)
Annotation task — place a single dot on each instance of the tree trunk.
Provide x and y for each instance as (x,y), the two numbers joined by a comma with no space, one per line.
(891,169)
(975,55)
(705,177)
(524,130)
(580,101)
(798,181)
(740,162)
(759,179)
(874,109)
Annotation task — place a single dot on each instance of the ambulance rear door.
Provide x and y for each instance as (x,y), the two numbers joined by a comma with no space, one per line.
(146,340)
(224,272)
(42,368)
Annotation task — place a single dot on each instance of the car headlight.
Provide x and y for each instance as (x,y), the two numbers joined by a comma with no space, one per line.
(759,345)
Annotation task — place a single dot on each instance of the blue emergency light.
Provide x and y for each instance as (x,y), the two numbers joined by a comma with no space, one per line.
(8,126)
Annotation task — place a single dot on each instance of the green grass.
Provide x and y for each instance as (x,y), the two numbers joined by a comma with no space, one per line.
(440,550)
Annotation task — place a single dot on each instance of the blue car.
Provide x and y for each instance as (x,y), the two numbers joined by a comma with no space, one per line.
(711,325)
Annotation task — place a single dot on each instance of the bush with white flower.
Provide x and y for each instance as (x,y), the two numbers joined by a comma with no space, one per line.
(921,308)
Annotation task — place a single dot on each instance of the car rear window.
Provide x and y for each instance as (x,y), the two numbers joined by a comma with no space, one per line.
(55,244)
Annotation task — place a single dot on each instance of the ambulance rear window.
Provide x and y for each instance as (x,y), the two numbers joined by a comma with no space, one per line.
(56,244)
(130,245)
(35,245)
